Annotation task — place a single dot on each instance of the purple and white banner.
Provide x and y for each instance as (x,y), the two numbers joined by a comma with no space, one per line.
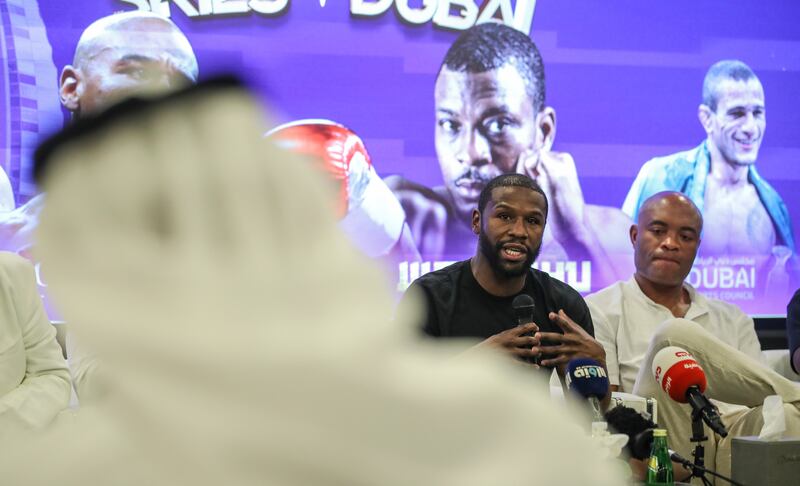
(623,82)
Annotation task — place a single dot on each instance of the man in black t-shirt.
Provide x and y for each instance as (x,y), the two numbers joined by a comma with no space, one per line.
(473,298)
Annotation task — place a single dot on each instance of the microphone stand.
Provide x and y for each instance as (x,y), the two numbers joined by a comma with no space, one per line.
(698,437)
(699,470)
(698,467)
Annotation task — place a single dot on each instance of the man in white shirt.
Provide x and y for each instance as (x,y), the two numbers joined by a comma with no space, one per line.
(34,379)
(653,309)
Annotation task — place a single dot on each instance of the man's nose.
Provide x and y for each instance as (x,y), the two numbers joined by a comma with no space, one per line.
(670,242)
(749,125)
(475,151)
(518,229)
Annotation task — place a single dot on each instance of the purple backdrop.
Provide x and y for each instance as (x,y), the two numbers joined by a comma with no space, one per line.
(624,77)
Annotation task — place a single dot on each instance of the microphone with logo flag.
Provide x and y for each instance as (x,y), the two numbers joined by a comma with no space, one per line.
(588,378)
(683,379)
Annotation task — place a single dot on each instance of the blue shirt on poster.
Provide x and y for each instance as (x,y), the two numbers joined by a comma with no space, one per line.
(687,172)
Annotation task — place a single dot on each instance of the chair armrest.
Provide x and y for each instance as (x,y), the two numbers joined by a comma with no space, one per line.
(645,406)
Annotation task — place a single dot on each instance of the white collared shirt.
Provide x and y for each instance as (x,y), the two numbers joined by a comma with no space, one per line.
(625,320)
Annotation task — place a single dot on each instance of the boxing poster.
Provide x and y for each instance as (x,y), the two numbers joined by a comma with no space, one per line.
(612,115)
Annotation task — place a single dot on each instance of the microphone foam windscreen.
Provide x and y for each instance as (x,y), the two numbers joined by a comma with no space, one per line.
(675,370)
(523,307)
(587,377)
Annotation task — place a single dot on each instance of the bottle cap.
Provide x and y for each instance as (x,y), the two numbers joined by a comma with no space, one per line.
(659,432)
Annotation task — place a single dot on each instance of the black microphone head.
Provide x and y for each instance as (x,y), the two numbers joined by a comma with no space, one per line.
(523,308)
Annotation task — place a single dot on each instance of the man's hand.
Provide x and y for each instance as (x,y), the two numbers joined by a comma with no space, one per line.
(574,343)
(556,174)
(516,341)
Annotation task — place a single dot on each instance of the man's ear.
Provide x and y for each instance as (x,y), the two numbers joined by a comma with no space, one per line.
(546,128)
(476,221)
(633,233)
(704,114)
(70,88)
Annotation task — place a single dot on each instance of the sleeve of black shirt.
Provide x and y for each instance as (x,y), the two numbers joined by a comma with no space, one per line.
(793,327)
(414,295)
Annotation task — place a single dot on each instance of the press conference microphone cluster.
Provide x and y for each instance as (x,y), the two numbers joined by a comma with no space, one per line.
(682,378)
(588,378)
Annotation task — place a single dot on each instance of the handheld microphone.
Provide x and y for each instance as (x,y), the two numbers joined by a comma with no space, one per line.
(682,378)
(588,378)
(523,308)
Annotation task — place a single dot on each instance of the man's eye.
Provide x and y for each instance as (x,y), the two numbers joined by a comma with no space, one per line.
(534,221)
(449,126)
(496,126)
(504,216)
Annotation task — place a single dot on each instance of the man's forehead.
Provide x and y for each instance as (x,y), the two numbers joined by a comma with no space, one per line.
(670,212)
(503,83)
(739,92)
(142,41)
(517,197)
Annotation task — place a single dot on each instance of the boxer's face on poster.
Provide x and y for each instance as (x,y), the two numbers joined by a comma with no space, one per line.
(737,127)
(484,122)
(666,240)
(144,58)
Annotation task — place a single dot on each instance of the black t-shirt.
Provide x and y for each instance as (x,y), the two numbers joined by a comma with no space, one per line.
(457,306)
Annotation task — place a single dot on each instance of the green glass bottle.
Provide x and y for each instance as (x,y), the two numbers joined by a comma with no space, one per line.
(659,466)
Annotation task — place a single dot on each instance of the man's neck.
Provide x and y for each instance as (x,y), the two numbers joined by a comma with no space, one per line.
(493,283)
(724,173)
(675,298)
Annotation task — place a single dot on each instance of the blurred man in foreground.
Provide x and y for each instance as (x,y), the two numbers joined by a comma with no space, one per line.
(249,346)
(491,119)
(657,308)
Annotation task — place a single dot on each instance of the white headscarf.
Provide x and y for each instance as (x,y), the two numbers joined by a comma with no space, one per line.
(246,341)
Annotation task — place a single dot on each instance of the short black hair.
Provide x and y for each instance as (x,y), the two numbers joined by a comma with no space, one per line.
(720,71)
(492,45)
(509,180)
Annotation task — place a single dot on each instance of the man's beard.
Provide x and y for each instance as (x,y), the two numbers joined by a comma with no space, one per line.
(492,254)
